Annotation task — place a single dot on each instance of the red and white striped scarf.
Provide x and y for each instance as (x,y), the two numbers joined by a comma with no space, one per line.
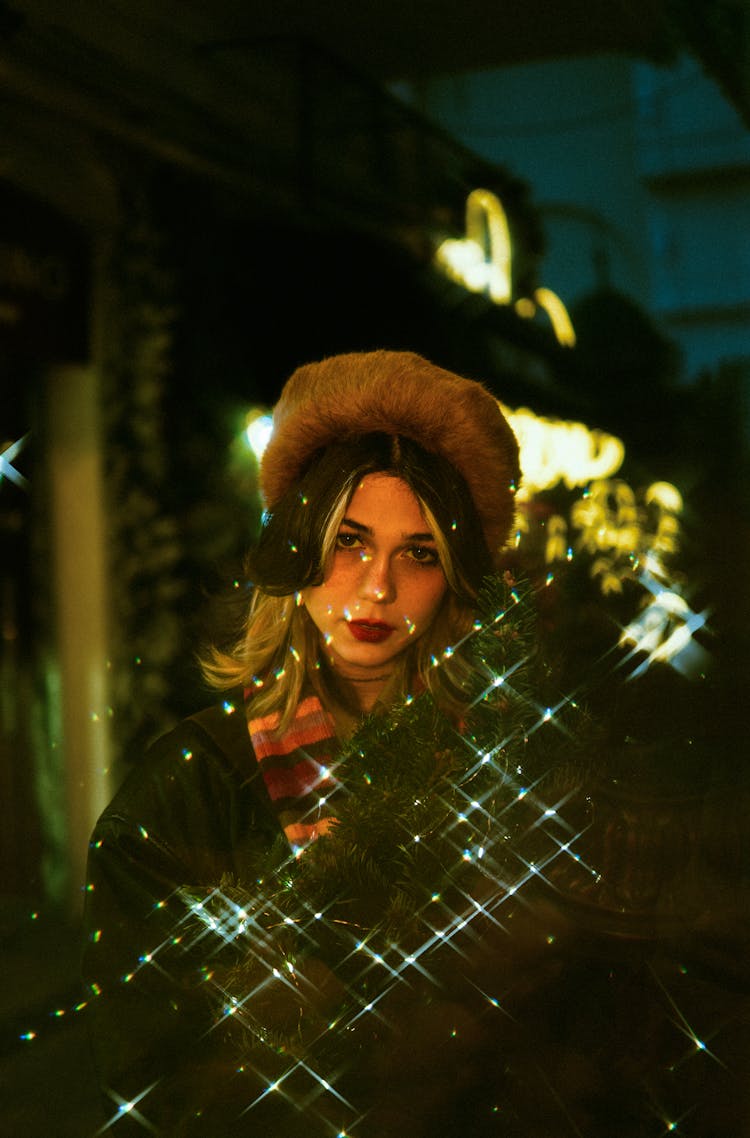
(296,768)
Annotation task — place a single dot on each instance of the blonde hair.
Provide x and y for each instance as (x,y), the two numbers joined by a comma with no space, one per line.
(278,651)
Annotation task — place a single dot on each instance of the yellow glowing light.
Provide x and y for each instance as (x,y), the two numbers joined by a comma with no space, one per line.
(626,534)
(558,315)
(617,528)
(665,495)
(556,548)
(610,520)
(487,227)
(557,450)
(482,262)
(553,451)
(525,307)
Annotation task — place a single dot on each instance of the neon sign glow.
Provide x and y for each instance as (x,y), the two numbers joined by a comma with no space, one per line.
(482,262)
(627,535)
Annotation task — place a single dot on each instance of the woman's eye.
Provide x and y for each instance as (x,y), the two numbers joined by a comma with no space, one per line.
(345,540)
(423,554)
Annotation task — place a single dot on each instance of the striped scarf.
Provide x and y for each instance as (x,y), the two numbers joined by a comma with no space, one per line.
(296,769)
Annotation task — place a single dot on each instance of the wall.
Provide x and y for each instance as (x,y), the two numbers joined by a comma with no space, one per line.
(642,178)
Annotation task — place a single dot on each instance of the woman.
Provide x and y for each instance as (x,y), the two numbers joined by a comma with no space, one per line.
(243,865)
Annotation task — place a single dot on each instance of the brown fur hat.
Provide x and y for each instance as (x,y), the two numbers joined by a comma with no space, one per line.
(397,393)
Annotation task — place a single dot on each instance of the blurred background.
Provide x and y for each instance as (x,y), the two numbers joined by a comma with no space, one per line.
(196,198)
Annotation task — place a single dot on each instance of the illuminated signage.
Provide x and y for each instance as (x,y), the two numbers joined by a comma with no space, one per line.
(552,450)
(556,450)
(482,262)
(627,535)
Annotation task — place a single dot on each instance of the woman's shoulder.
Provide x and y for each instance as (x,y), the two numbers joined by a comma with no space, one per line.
(218,730)
(201,762)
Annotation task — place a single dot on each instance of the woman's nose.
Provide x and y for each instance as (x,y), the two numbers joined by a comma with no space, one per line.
(376,582)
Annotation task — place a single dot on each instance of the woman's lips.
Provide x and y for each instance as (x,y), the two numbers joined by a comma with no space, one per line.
(372,631)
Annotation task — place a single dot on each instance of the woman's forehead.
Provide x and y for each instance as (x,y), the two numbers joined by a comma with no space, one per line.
(382,500)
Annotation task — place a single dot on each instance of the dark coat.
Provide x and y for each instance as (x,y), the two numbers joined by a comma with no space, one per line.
(194,812)
(583,1039)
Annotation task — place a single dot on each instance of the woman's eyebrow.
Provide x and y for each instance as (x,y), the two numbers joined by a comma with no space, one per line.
(361,528)
(356,525)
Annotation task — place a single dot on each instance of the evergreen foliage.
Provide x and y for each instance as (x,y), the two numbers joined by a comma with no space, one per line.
(437,826)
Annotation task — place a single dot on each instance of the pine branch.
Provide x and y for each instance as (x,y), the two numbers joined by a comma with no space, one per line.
(433,821)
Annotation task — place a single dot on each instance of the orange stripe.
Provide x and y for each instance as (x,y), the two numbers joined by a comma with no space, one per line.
(271,722)
(311,725)
(299,833)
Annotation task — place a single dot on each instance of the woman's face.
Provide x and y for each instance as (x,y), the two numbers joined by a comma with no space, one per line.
(385,582)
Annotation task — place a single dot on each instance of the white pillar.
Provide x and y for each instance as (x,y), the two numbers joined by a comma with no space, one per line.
(77,515)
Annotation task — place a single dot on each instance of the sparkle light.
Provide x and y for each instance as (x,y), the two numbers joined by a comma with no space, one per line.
(698,1045)
(665,628)
(480,828)
(128,1107)
(7,456)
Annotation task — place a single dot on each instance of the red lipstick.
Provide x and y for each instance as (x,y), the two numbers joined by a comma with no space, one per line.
(371,631)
